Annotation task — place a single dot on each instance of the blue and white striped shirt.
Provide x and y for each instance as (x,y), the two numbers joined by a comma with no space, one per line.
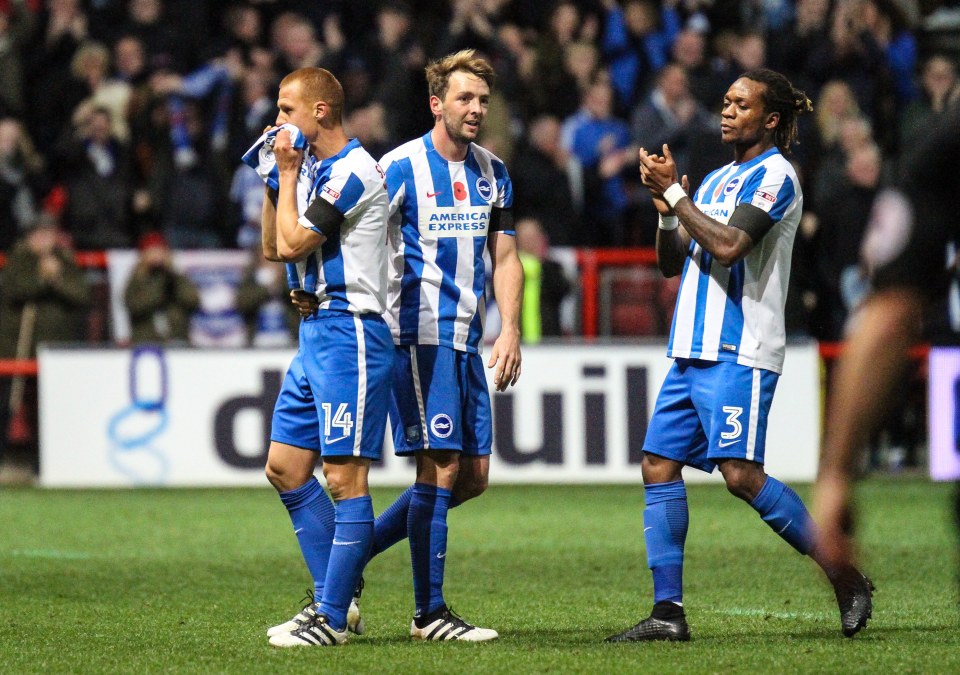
(439,221)
(737,313)
(349,271)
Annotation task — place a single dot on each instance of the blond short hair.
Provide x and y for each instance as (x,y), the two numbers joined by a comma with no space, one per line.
(319,84)
(439,71)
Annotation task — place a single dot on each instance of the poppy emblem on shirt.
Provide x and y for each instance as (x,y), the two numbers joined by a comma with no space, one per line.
(459,191)
(731,186)
(484,188)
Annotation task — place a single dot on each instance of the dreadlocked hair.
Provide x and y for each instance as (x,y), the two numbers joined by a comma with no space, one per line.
(779,96)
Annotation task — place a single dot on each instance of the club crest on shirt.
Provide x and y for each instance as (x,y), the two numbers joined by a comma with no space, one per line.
(484,188)
(731,186)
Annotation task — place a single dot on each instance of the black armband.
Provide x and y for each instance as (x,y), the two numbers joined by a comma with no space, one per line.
(324,216)
(501,220)
(751,219)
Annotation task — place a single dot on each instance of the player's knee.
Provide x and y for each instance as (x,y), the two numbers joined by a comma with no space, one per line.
(470,487)
(657,469)
(743,480)
(283,477)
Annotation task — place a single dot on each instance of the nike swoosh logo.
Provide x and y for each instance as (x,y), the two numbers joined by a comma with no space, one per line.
(431,195)
(345,543)
(334,440)
(647,528)
(441,556)
(298,530)
(724,444)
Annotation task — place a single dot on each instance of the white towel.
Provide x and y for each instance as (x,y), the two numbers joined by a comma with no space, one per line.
(260,155)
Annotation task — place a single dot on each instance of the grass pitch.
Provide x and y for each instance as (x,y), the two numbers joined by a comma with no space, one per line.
(189,580)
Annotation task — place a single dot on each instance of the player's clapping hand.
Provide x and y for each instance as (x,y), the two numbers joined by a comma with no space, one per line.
(505,357)
(652,182)
(658,173)
(306,303)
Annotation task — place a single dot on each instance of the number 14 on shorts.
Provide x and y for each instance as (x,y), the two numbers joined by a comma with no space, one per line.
(336,425)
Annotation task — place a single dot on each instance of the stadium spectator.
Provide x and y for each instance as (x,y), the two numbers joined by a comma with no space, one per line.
(159,299)
(545,284)
(160,30)
(910,227)
(441,408)
(713,406)
(887,24)
(601,143)
(548,182)
(637,38)
(327,209)
(15,27)
(396,60)
(368,125)
(670,115)
(42,295)
(940,90)
(582,61)
(851,54)
(263,300)
(21,180)
(791,50)
(91,67)
(246,205)
(690,52)
(550,84)
(97,169)
(842,211)
(52,96)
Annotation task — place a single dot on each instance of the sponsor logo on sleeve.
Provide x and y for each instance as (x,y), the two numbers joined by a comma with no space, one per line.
(330,191)
(766,195)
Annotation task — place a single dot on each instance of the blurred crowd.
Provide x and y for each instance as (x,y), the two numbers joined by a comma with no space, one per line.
(122,124)
(121,118)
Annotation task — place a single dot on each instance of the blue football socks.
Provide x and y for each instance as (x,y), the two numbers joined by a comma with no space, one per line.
(427,530)
(665,521)
(391,525)
(784,512)
(351,546)
(313,518)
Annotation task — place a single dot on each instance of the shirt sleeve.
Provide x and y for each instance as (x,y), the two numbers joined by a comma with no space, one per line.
(504,186)
(396,185)
(343,189)
(771,191)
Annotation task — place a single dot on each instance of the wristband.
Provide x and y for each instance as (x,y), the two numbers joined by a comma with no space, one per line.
(674,194)
(669,222)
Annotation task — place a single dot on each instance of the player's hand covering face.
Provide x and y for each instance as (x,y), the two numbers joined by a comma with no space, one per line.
(464,106)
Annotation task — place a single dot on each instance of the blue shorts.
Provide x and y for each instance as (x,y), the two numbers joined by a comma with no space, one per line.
(440,401)
(336,392)
(711,410)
